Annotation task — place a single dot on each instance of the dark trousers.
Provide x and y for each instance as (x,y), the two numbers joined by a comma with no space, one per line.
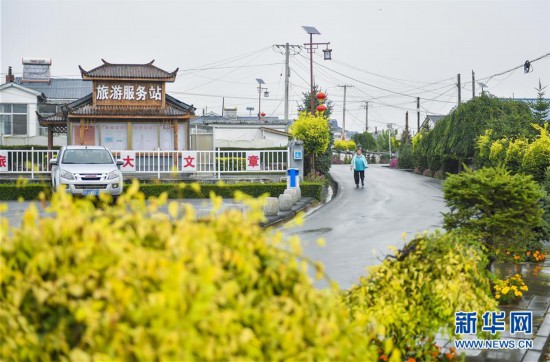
(357,174)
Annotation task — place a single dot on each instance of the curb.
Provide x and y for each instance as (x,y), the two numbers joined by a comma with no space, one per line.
(303,204)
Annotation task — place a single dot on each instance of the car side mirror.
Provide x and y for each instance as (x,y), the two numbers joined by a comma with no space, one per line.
(119,162)
(53,161)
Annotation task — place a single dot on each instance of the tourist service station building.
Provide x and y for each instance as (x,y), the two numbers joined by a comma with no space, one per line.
(128,109)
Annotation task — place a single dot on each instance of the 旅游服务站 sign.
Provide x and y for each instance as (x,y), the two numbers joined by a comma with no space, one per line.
(119,93)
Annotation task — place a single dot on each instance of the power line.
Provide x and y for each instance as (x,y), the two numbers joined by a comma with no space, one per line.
(227,67)
(487,79)
(374,86)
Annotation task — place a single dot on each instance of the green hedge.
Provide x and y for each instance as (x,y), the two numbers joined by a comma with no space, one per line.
(9,192)
(309,189)
(27,147)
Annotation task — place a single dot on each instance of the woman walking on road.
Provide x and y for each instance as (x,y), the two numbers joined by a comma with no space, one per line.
(358,165)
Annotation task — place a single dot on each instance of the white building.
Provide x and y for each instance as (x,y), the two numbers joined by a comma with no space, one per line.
(36,91)
(232,131)
(18,119)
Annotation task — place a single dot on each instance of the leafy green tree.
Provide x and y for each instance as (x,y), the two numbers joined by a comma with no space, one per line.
(545,205)
(344,145)
(500,208)
(406,157)
(323,161)
(366,140)
(314,131)
(541,107)
(382,140)
(453,139)
(305,103)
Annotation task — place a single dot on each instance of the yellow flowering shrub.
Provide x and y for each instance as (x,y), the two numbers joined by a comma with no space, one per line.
(90,282)
(415,293)
(497,150)
(344,145)
(483,143)
(509,290)
(536,159)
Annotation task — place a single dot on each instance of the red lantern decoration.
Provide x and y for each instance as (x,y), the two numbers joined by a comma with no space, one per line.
(262,114)
(321,108)
(320,96)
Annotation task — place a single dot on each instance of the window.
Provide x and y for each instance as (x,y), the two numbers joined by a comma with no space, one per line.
(13,119)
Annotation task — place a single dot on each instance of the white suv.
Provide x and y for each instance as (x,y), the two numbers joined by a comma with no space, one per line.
(87,170)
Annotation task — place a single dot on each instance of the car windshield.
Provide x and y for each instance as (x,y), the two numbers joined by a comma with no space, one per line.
(87,156)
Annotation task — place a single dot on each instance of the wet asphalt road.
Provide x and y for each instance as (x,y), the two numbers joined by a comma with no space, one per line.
(359,225)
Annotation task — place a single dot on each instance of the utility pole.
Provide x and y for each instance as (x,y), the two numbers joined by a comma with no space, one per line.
(407,127)
(417,114)
(473,84)
(345,86)
(287,78)
(287,48)
(459,88)
(366,116)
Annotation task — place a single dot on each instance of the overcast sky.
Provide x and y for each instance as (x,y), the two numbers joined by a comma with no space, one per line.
(389,51)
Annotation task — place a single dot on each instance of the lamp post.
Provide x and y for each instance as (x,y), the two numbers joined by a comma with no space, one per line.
(483,86)
(311,46)
(266,94)
(390,127)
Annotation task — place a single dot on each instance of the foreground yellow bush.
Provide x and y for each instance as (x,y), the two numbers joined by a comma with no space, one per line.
(414,294)
(129,282)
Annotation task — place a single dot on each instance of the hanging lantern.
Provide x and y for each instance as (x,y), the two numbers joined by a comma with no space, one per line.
(262,114)
(321,96)
(321,108)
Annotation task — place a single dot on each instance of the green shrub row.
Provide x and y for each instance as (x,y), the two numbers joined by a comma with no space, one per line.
(309,189)
(9,192)
(26,147)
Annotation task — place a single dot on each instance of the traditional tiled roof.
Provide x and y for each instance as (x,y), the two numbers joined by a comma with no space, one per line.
(173,108)
(129,71)
(60,88)
(56,118)
(84,107)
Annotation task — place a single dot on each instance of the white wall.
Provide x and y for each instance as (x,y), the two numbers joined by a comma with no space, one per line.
(251,136)
(16,95)
(35,140)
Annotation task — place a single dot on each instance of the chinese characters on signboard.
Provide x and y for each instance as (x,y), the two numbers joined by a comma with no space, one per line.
(253,161)
(128,93)
(189,161)
(129,159)
(3,161)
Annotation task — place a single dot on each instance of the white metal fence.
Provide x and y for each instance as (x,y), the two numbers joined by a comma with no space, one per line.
(159,162)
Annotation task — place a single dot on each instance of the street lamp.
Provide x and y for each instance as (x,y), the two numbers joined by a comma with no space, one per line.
(483,86)
(390,127)
(311,46)
(266,94)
